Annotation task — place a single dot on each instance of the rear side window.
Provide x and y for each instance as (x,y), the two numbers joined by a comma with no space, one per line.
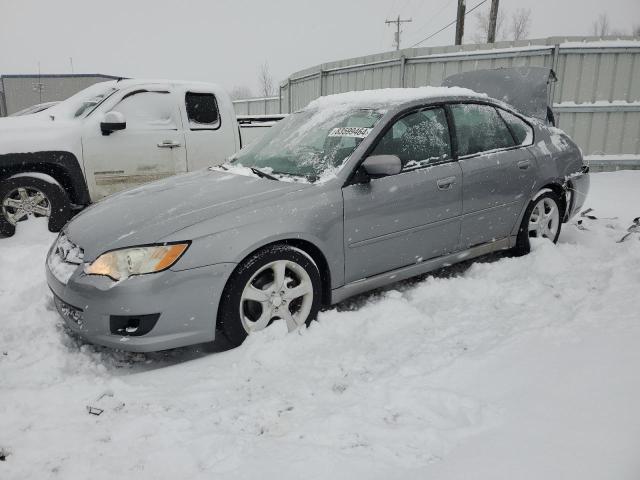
(202,110)
(418,139)
(479,128)
(522,132)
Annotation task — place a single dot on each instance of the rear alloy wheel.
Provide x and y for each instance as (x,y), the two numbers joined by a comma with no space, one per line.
(278,283)
(542,219)
(23,198)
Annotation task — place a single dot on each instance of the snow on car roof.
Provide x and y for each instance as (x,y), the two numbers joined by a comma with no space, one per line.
(388,96)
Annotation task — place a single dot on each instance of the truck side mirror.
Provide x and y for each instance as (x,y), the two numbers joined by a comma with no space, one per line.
(112,121)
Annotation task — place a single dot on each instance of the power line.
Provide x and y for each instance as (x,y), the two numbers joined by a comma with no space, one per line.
(434,16)
(448,25)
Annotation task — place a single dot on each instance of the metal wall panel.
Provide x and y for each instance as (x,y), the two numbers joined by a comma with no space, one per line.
(22,91)
(257,106)
(590,76)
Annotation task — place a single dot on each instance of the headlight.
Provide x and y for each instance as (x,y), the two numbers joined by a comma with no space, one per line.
(121,264)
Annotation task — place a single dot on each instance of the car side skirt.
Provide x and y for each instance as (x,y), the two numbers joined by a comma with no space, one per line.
(371,283)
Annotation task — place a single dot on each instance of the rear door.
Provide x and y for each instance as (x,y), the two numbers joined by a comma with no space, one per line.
(403,219)
(498,171)
(210,137)
(149,148)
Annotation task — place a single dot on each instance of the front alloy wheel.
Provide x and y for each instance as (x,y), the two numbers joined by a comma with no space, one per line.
(279,290)
(280,282)
(23,202)
(24,197)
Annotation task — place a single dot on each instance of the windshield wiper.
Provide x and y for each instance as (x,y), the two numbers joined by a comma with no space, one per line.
(262,174)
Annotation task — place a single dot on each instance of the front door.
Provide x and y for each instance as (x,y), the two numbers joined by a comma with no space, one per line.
(149,148)
(498,171)
(403,219)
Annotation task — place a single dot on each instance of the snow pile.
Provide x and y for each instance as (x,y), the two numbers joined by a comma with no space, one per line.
(503,368)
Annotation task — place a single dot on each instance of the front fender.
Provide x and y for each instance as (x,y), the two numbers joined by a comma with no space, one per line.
(316,219)
(61,165)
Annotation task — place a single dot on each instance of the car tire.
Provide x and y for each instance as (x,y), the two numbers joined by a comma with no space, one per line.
(40,197)
(250,300)
(545,202)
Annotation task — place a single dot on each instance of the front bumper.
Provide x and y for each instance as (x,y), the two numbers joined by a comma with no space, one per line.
(180,306)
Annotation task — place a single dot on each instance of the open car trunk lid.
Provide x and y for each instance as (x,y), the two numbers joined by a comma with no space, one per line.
(525,88)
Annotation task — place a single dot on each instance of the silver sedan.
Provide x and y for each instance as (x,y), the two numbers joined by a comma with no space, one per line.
(352,193)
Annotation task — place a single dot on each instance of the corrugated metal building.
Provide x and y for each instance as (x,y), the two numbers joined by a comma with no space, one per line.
(22,91)
(596,98)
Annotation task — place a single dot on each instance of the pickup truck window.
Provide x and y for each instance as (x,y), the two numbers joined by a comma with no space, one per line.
(202,110)
(148,110)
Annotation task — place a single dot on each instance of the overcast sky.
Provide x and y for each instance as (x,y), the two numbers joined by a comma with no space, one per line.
(225,41)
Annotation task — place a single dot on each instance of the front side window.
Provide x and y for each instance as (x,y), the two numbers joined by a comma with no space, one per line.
(310,143)
(522,132)
(479,128)
(418,139)
(202,110)
(145,110)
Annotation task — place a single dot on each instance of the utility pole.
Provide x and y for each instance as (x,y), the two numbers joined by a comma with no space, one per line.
(493,18)
(71,62)
(462,7)
(38,86)
(398,32)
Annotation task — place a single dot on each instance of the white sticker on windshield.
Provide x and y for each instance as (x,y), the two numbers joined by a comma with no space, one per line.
(355,132)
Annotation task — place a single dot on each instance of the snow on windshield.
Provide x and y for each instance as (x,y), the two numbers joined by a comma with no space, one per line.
(315,142)
(83,102)
(309,143)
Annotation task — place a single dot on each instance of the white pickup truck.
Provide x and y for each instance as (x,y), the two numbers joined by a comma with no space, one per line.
(106,138)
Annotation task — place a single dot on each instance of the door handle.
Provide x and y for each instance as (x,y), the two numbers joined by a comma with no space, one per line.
(169,144)
(445,183)
(524,164)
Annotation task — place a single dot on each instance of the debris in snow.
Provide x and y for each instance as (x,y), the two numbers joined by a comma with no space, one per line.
(586,213)
(98,411)
(94,410)
(634,228)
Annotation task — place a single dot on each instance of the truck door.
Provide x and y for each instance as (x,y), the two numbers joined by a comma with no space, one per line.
(152,146)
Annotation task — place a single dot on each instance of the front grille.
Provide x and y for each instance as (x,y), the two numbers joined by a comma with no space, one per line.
(69,312)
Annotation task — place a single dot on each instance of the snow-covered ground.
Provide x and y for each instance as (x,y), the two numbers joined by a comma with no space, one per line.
(505,368)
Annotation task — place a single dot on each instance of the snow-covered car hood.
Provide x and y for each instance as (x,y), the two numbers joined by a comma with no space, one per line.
(36,133)
(150,213)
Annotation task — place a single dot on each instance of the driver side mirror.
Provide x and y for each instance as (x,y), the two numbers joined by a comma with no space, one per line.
(377,166)
(112,121)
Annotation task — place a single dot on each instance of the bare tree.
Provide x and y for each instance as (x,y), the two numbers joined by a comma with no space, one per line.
(265,81)
(520,23)
(636,30)
(241,91)
(601,26)
(482,27)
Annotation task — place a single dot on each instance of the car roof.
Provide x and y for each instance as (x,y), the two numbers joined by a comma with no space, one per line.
(396,99)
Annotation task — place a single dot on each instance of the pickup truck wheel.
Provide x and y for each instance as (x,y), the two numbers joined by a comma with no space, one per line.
(542,219)
(24,198)
(277,283)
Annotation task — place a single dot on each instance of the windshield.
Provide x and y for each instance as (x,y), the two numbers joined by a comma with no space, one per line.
(311,143)
(84,102)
